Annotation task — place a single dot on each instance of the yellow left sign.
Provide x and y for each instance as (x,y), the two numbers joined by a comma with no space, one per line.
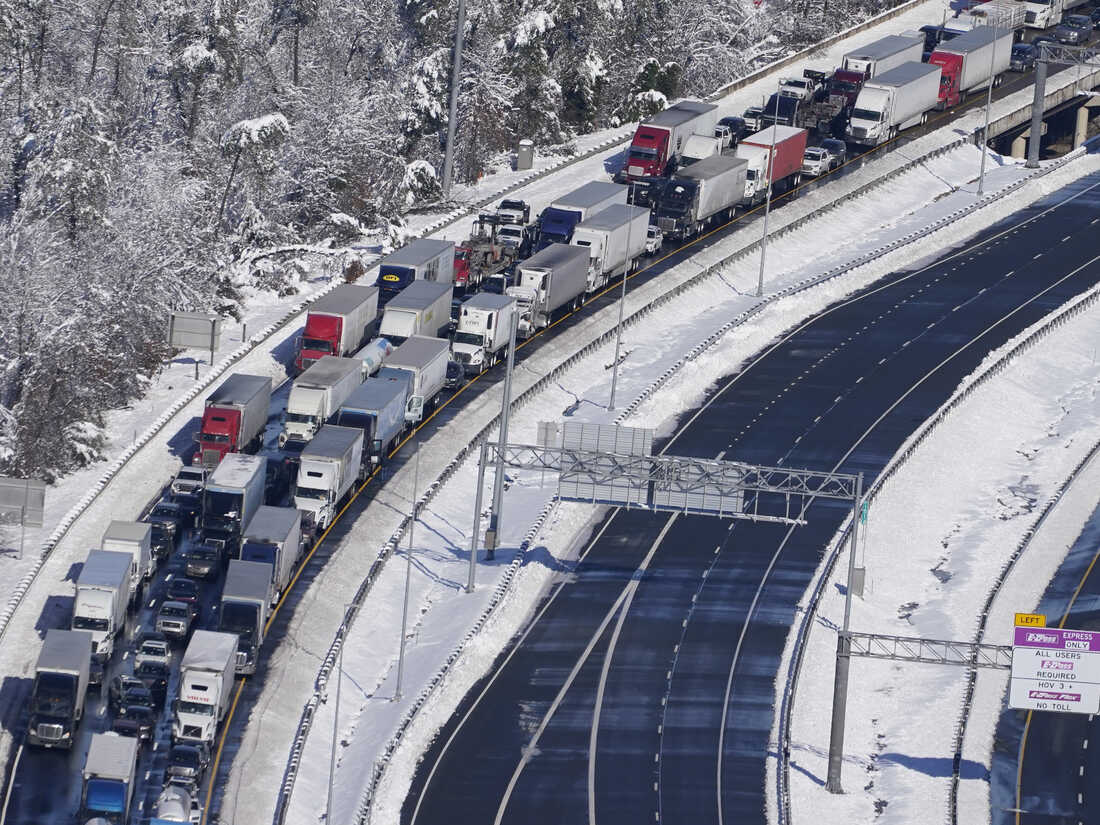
(1031,620)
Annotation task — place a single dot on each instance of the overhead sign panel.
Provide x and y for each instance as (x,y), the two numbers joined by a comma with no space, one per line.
(1055,669)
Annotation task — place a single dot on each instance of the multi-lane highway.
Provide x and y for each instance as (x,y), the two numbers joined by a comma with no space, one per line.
(642,691)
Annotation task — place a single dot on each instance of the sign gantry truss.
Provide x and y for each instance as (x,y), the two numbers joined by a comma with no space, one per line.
(930,651)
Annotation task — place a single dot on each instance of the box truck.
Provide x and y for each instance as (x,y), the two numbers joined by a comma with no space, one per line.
(967,62)
(205,686)
(245,606)
(781,147)
(378,409)
(424,259)
(894,100)
(233,494)
(422,308)
(484,329)
(234,418)
(548,283)
(60,685)
(615,239)
(659,140)
(316,394)
(136,539)
(107,791)
(330,466)
(425,359)
(705,192)
(556,221)
(102,596)
(338,323)
(274,537)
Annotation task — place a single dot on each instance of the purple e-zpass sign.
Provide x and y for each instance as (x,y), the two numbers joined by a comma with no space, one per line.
(1055,669)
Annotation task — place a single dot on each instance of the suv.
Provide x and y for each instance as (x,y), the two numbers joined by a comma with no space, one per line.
(152,646)
(816,161)
(174,619)
(1074,29)
(838,149)
(1023,57)
(654,239)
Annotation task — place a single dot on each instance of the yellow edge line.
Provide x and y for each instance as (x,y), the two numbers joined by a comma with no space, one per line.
(221,745)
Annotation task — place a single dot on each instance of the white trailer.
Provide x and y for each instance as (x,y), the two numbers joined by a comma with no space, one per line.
(699,147)
(422,308)
(245,606)
(696,195)
(233,493)
(547,283)
(426,360)
(893,101)
(338,323)
(556,222)
(883,54)
(329,467)
(424,259)
(615,239)
(102,596)
(968,61)
(135,538)
(274,537)
(316,395)
(378,409)
(1001,14)
(484,329)
(60,685)
(205,686)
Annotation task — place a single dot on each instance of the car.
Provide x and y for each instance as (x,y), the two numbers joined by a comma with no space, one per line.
(152,646)
(753,118)
(125,691)
(190,479)
(455,374)
(654,240)
(187,762)
(838,149)
(1074,29)
(816,161)
(169,522)
(204,560)
(737,126)
(1095,17)
(137,721)
(1023,57)
(174,619)
(191,503)
(154,675)
(181,589)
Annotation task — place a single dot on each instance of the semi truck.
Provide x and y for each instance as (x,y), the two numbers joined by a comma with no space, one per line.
(315,396)
(233,494)
(424,259)
(102,596)
(330,466)
(107,791)
(772,155)
(967,62)
(205,686)
(338,323)
(547,284)
(659,140)
(425,359)
(556,221)
(274,537)
(484,329)
(422,308)
(136,539)
(615,239)
(705,192)
(894,100)
(245,605)
(378,409)
(60,685)
(234,418)
(857,67)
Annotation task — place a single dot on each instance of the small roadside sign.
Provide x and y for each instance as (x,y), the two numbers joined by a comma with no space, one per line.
(1030,620)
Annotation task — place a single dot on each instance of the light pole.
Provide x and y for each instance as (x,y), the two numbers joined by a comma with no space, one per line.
(336,722)
(408,576)
(452,117)
(988,105)
(498,480)
(767,200)
(622,305)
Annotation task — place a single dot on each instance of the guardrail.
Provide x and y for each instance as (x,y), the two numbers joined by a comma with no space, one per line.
(794,671)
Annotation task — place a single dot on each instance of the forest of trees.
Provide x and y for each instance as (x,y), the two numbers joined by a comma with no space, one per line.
(148,146)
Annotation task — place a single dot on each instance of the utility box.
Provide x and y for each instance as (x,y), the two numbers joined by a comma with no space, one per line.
(525,155)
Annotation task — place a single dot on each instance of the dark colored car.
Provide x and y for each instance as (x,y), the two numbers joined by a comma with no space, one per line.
(186,762)
(128,691)
(455,374)
(154,675)
(837,148)
(190,503)
(737,126)
(1074,29)
(1023,57)
(204,560)
(169,522)
(137,721)
(1095,17)
(182,590)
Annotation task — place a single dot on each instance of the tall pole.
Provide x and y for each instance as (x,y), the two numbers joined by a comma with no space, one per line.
(988,106)
(335,724)
(843,659)
(1037,101)
(498,481)
(622,306)
(408,576)
(475,532)
(452,117)
(767,201)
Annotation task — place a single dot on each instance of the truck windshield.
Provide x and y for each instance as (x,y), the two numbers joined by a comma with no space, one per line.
(240,619)
(167,612)
(86,623)
(214,438)
(866,114)
(353,418)
(300,418)
(107,796)
(642,153)
(226,505)
(53,694)
(840,87)
(311,492)
(472,338)
(317,344)
(195,707)
(258,551)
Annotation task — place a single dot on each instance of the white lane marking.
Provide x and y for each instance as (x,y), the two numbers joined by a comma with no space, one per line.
(1066,238)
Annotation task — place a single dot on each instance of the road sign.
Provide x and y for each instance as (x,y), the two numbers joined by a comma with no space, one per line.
(23,500)
(1056,670)
(1030,620)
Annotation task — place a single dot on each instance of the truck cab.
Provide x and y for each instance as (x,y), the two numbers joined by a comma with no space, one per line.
(246,597)
(108,778)
(217,434)
(61,678)
(648,154)
(321,337)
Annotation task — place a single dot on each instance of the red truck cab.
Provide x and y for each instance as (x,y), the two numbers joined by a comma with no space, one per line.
(648,153)
(462,268)
(847,84)
(321,337)
(217,435)
(950,72)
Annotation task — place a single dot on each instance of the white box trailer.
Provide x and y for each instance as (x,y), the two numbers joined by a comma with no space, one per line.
(556,222)
(274,537)
(316,395)
(135,538)
(421,308)
(893,101)
(548,283)
(378,409)
(424,259)
(329,467)
(426,360)
(338,323)
(484,329)
(233,493)
(205,685)
(615,239)
(696,195)
(883,54)
(968,61)
(102,596)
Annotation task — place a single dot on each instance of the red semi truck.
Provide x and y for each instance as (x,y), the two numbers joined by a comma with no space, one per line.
(658,142)
(234,418)
(965,62)
(338,323)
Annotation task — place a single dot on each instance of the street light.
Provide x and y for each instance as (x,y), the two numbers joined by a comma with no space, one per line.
(768,197)
(988,105)
(622,305)
(408,574)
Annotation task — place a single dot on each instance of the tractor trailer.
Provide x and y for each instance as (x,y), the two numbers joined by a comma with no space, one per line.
(274,537)
(338,323)
(421,308)
(205,686)
(772,155)
(548,283)
(425,359)
(704,192)
(316,395)
(60,685)
(894,100)
(484,329)
(556,221)
(330,466)
(233,494)
(245,605)
(967,62)
(102,596)
(424,259)
(234,418)
(107,791)
(378,409)
(657,145)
